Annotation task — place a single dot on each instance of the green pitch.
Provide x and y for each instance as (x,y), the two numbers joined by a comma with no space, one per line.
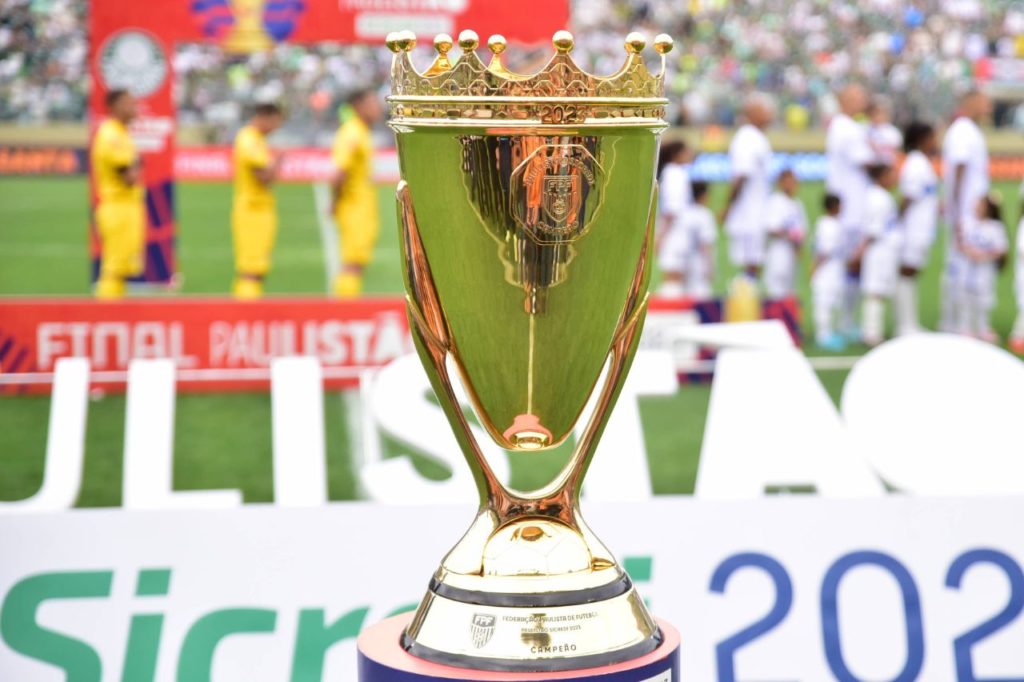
(223,440)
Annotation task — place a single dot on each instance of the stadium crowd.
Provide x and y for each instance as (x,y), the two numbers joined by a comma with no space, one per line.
(921,54)
(43,74)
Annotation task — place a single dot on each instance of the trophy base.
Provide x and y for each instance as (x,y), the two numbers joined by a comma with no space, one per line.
(382,658)
(529,632)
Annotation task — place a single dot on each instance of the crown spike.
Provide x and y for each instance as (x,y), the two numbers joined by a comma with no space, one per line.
(391,40)
(563,41)
(468,40)
(497,43)
(663,44)
(636,42)
(467,88)
(443,44)
(405,40)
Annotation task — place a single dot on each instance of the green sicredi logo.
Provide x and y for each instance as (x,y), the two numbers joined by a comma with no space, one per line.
(22,632)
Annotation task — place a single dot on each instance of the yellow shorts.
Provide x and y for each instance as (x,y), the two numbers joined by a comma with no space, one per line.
(122,229)
(358,225)
(254,232)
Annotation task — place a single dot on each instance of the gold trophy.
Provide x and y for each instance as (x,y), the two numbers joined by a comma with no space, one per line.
(247,34)
(527,207)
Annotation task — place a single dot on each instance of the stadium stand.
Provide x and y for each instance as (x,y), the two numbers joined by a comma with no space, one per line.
(921,55)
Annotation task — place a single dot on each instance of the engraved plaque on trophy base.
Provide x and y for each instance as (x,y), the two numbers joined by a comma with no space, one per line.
(382,659)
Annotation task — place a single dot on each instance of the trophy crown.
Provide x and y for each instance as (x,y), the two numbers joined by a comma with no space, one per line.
(561,92)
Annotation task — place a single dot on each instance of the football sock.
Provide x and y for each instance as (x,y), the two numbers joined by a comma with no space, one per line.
(978,318)
(348,285)
(823,310)
(963,320)
(109,288)
(1018,326)
(906,305)
(951,304)
(873,319)
(247,288)
(848,309)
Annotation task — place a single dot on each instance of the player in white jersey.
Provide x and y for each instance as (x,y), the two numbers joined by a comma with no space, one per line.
(965,174)
(828,275)
(919,215)
(786,228)
(750,156)
(885,139)
(847,156)
(703,234)
(984,248)
(1017,334)
(673,201)
(879,252)
(691,248)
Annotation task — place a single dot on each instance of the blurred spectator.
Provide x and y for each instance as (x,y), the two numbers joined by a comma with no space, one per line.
(43,73)
(920,54)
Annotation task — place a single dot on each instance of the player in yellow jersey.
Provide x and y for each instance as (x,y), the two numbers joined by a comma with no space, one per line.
(254,212)
(354,197)
(121,209)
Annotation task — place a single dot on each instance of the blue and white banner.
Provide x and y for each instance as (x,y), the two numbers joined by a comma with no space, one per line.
(797,588)
(715,166)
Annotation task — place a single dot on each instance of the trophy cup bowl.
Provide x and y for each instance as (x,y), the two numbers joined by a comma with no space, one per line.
(527,207)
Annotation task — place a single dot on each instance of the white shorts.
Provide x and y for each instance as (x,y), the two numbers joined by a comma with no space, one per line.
(851,236)
(916,249)
(746,249)
(779,269)
(955,272)
(980,283)
(673,254)
(1018,283)
(879,269)
(827,284)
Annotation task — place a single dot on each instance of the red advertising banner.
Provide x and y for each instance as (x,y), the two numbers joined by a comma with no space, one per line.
(221,338)
(41,160)
(298,164)
(220,344)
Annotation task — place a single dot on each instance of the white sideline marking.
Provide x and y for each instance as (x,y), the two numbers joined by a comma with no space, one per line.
(328,233)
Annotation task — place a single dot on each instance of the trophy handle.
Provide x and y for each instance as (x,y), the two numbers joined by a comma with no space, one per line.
(559,499)
(624,345)
(433,342)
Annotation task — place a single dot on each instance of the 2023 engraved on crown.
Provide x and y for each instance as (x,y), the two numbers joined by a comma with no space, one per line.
(527,207)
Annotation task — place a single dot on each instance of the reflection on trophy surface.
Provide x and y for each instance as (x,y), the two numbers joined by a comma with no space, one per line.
(527,205)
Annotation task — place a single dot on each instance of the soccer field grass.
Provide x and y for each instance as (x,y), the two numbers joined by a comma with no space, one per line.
(223,440)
